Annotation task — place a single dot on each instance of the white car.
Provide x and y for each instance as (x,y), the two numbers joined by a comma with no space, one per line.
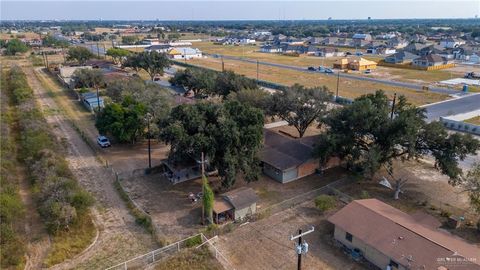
(103,141)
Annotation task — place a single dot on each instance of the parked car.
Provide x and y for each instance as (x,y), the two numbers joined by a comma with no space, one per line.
(311,68)
(358,53)
(321,69)
(103,141)
(328,70)
(368,71)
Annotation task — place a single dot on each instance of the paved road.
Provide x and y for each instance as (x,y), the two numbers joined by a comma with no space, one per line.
(413,86)
(463,104)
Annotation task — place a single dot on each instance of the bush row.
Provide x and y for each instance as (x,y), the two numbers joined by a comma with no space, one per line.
(12,246)
(61,200)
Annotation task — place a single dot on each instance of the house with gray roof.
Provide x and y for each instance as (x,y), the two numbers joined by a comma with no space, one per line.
(235,205)
(430,60)
(401,57)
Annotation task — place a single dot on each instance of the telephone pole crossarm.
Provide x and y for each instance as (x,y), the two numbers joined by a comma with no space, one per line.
(302,234)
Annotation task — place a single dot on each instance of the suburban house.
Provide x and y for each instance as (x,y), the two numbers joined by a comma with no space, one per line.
(451,43)
(235,205)
(150,41)
(354,64)
(271,49)
(429,61)
(392,239)
(360,40)
(286,159)
(161,48)
(329,41)
(329,52)
(466,53)
(381,49)
(416,47)
(184,53)
(401,57)
(397,43)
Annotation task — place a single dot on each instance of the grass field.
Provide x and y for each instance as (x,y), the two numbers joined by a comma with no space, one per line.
(474,120)
(191,259)
(347,88)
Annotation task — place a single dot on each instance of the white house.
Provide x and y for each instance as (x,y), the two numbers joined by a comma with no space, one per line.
(247,41)
(271,49)
(184,53)
(451,43)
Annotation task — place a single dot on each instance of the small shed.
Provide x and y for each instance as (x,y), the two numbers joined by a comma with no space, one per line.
(235,205)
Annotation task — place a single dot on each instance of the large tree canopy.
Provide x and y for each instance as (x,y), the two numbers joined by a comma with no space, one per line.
(86,77)
(364,135)
(152,62)
(118,54)
(124,121)
(299,106)
(15,46)
(79,54)
(228,134)
(201,82)
(227,82)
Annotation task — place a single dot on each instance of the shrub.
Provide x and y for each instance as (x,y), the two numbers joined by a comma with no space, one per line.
(364,194)
(445,213)
(325,202)
(193,241)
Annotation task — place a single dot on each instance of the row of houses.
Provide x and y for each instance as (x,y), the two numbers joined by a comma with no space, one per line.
(302,49)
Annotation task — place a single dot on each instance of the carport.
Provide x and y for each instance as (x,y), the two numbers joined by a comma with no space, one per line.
(222,211)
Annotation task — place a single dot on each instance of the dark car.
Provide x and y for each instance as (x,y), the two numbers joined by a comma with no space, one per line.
(311,68)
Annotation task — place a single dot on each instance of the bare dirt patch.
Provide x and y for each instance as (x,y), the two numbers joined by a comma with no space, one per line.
(265,244)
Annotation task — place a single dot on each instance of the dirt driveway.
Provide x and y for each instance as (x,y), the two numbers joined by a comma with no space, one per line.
(119,236)
(265,244)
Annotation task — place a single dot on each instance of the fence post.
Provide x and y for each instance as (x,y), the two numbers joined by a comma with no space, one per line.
(153,255)
(178,246)
(125,266)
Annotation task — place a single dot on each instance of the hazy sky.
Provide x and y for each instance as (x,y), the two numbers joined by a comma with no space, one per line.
(235,10)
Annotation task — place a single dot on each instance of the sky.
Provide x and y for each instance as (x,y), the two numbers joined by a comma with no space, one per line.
(235,10)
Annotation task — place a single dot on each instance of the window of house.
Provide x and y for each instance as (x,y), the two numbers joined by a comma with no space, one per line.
(349,236)
(394,264)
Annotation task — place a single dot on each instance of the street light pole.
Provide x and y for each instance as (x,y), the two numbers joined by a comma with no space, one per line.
(148,118)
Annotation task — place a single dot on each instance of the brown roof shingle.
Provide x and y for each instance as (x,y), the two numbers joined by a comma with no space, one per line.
(398,236)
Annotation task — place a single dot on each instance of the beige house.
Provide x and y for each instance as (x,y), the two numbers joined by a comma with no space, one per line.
(392,239)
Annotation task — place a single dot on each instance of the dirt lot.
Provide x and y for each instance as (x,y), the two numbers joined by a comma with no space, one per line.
(347,87)
(265,244)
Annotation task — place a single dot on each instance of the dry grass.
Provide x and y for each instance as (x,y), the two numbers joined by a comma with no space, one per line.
(474,120)
(191,259)
(347,87)
(67,244)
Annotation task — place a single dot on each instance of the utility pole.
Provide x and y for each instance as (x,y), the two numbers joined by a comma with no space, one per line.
(338,81)
(203,187)
(44,59)
(98,51)
(257,70)
(104,52)
(223,65)
(98,101)
(148,117)
(301,247)
(393,105)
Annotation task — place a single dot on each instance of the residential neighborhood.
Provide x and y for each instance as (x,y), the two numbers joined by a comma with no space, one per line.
(240,135)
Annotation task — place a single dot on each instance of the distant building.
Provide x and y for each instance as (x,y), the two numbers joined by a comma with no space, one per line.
(162,48)
(329,52)
(184,53)
(359,64)
(271,49)
(401,57)
(429,61)
(392,239)
(360,40)
(451,43)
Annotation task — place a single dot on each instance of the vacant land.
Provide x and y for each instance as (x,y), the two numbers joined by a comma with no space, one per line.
(347,87)
(190,259)
(474,120)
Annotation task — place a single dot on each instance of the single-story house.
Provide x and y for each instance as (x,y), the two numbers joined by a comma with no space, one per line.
(329,52)
(286,159)
(397,43)
(271,49)
(401,57)
(392,239)
(160,48)
(360,40)
(235,205)
(184,53)
(430,60)
(381,49)
(66,73)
